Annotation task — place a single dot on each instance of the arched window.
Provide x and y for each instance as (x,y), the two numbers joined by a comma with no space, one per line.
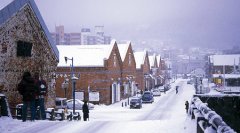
(129,59)
(114,60)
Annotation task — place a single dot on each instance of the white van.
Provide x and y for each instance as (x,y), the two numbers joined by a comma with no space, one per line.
(61,103)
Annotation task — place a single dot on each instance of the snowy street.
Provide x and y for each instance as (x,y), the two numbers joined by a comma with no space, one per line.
(167,114)
(138,66)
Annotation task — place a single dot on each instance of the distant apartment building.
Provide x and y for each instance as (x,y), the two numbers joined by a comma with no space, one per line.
(85,37)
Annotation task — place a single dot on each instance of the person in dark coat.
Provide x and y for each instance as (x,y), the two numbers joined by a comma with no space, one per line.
(41,93)
(186,106)
(85,111)
(177,89)
(28,90)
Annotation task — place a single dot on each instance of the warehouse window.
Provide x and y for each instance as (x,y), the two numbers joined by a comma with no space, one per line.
(4,48)
(114,60)
(24,49)
(129,59)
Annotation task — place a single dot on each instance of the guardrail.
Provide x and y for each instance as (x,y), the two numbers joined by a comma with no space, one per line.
(207,119)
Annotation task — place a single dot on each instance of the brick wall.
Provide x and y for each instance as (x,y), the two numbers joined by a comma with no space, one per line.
(23,26)
(98,78)
(128,67)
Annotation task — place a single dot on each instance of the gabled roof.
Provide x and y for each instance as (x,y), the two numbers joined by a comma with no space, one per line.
(228,60)
(140,58)
(168,63)
(152,59)
(226,75)
(11,9)
(158,60)
(84,55)
(123,49)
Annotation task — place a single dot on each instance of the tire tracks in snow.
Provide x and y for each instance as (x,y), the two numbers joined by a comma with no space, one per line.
(94,127)
(164,105)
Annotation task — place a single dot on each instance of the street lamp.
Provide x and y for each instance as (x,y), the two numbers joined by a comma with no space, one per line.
(73,81)
(65,86)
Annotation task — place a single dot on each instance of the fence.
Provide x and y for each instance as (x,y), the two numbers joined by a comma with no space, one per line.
(207,119)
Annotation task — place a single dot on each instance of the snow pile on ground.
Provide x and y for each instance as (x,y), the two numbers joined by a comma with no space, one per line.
(152,118)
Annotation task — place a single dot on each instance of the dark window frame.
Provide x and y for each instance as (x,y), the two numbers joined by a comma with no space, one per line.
(24,49)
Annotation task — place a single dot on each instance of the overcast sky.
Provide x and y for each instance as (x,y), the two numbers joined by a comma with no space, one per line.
(179,22)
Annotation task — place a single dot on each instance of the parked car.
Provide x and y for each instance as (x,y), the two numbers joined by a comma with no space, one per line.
(189,82)
(167,87)
(61,103)
(136,102)
(147,92)
(147,97)
(161,88)
(156,92)
(78,104)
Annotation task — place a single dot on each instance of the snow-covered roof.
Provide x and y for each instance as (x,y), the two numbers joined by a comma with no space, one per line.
(139,58)
(123,49)
(226,75)
(220,60)
(16,5)
(198,71)
(84,55)
(168,63)
(184,57)
(152,60)
(158,60)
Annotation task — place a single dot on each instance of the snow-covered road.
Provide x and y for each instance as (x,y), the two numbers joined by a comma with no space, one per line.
(167,114)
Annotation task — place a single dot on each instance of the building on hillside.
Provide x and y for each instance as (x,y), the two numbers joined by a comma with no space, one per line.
(160,76)
(153,70)
(25,45)
(85,37)
(98,68)
(167,71)
(60,37)
(186,64)
(221,67)
(143,70)
(128,69)
(230,62)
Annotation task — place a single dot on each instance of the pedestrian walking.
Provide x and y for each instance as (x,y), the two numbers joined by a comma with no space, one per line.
(40,97)
(177,89)
(85,111)
(186,106)
(165,89)
(28,90)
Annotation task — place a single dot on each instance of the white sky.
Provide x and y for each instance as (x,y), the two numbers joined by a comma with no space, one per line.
(179,22)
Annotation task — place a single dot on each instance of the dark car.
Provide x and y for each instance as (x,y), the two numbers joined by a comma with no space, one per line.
(167,87)
(147,97)
(135,103)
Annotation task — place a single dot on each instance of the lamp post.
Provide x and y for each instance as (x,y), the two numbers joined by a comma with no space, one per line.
(65,86)
(73,81)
